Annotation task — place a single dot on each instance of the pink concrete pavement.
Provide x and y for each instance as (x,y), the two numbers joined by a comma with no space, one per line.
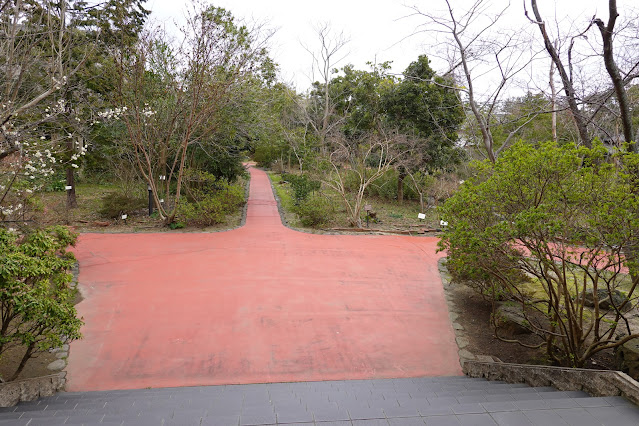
(261,303)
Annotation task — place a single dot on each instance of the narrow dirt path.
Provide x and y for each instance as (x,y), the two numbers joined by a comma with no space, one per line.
(258,304)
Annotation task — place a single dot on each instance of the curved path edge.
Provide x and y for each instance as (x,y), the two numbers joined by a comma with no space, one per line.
(261,303)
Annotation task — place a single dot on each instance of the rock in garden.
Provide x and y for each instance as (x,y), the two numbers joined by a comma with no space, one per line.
(604,298)
(511,320)
(58,364)
(627,358)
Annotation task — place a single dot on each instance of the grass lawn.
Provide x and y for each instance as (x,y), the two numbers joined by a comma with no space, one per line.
(49,208)
(535,289)
(391,216)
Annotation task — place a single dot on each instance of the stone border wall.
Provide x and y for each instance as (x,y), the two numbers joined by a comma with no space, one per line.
(30,389)
(594,382)
(453,313)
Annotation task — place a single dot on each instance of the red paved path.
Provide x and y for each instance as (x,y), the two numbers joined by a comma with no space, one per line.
(261,303)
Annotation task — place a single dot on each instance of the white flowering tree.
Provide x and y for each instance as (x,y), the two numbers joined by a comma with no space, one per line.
(34,59)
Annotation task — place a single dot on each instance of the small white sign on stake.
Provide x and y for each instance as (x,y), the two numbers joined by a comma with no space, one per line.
(161,200)
(68,187)
(421,216)
(124,216)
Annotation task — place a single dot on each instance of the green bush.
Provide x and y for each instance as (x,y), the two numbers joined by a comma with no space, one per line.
(302,186)
(386,187)
(315,211)
(266,155)
(351,181)
(209,208)
(564,217)
(36,295)
(115,203)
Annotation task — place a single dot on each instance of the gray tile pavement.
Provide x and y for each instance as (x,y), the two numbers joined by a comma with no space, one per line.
(417,401)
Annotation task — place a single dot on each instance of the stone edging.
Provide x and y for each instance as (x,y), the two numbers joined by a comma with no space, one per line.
(460,334)
(247,191)
(332,231)
(30,389)
(594,382)
(280,209)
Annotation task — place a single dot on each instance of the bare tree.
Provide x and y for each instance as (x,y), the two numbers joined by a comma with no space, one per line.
(325,58)
(367,159)
(607,34)
(553,99)
(475,47)
(587,94)
(566,78)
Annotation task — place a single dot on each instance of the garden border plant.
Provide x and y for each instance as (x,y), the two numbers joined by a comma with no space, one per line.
(547,213)
(36,296)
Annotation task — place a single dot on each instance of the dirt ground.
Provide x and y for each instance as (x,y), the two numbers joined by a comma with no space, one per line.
(85,217)
(36,366)
(475,318)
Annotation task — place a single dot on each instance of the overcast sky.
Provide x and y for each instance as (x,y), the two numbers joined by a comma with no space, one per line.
(379,30)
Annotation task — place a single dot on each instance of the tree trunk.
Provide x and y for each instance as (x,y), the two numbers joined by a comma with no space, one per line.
(23,362)
(553,101)
(71,199)
(487,136)
(401,175)
(577,115)
(613,71)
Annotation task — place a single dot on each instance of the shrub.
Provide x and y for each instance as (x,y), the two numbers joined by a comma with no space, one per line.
(210,206)
(315,211)
(302,186)
(36,296)
(564,217)
(266,155)
(386,186)
(115,203)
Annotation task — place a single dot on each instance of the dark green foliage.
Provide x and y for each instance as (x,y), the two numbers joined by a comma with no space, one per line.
(266,154)
(360,97)
(302,186)
(223,162)
(423,104)
(54,183)
(208,200)
(563,217)
(36,296)
(119,21)
(315,211)
(386,187)
(116,203)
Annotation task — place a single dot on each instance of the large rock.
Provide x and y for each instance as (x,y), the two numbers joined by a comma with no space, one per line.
(627,358)
(604,298)
(511,320)
(58,364)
